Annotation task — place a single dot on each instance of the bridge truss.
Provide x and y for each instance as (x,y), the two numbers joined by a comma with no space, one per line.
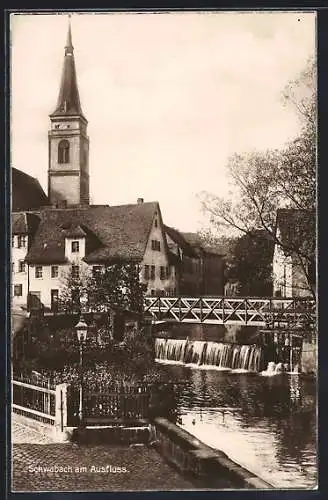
(270,313)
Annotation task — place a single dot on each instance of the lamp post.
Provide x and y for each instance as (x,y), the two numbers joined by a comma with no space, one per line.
(81,331)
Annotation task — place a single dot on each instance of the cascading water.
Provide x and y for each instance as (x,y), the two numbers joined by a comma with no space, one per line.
(219,355)
(170,350)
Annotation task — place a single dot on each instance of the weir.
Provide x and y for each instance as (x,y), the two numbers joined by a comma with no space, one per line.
(219,355)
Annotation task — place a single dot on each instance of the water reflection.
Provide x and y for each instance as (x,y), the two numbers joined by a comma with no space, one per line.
(267,424)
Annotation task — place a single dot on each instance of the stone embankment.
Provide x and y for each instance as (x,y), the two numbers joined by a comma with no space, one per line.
(191,456)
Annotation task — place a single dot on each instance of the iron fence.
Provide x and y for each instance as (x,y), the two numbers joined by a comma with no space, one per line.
(34,401)
(113,404)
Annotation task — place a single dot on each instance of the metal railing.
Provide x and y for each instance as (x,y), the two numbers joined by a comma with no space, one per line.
(292,312)
(112,404)
(34,401)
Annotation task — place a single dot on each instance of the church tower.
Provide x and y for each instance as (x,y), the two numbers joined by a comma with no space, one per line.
(68,173)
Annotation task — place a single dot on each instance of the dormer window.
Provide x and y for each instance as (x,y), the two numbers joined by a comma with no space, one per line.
(75,246)
(63,151)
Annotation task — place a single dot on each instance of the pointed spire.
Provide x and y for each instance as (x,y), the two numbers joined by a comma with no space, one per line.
(69,45)
(68,100)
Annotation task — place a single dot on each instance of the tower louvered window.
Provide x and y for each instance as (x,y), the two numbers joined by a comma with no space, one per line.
(63,151)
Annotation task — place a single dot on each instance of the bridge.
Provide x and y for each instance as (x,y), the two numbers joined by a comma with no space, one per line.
(270,313)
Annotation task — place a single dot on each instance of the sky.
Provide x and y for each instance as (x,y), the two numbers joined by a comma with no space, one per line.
(168,97)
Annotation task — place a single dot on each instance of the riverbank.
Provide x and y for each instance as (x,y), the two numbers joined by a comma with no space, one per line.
(266,424)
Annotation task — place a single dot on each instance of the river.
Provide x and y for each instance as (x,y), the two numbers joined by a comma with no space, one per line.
(267,424)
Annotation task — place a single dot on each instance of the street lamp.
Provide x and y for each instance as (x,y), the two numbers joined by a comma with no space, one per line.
(81,331)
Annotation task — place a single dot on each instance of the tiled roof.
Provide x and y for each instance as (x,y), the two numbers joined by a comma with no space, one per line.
(197,243)
(27,194)
(179,239)
(118,233)
(19,223)
(74,231)
(24,222)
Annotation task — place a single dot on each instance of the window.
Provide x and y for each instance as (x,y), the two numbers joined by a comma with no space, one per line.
(152,292)
(22,240)
(13,240)
(155,223)
(57,126)
(18,290)
(167,272)
(38,271)
(13,267)
(162,273)
(75,272)
(152,272)
(146,272)
(54,271)
(156,245)
(21,266)
(75,246)
(63,151)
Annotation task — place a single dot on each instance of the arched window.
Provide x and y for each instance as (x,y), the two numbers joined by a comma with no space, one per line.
(63,151)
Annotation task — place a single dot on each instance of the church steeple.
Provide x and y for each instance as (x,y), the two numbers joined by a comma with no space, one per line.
(69,49)
(68,173)
(68,102)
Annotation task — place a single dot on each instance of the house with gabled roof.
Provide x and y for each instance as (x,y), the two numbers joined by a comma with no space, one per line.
(85,239)
(198,268)
(294,266)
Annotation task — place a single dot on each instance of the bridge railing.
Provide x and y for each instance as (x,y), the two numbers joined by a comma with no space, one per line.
(269,312)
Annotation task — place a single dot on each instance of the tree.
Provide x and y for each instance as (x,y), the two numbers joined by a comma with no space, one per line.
(265,181)
(250,264)
(116,286)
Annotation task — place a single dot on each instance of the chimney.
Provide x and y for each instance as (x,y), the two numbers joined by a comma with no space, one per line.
(140,201)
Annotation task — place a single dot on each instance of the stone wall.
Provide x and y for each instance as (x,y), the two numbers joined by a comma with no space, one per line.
(191,456)
(214,333)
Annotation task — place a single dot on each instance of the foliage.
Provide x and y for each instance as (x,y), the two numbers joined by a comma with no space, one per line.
(265,181)
(56,354)
(250,264)
(117,286)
